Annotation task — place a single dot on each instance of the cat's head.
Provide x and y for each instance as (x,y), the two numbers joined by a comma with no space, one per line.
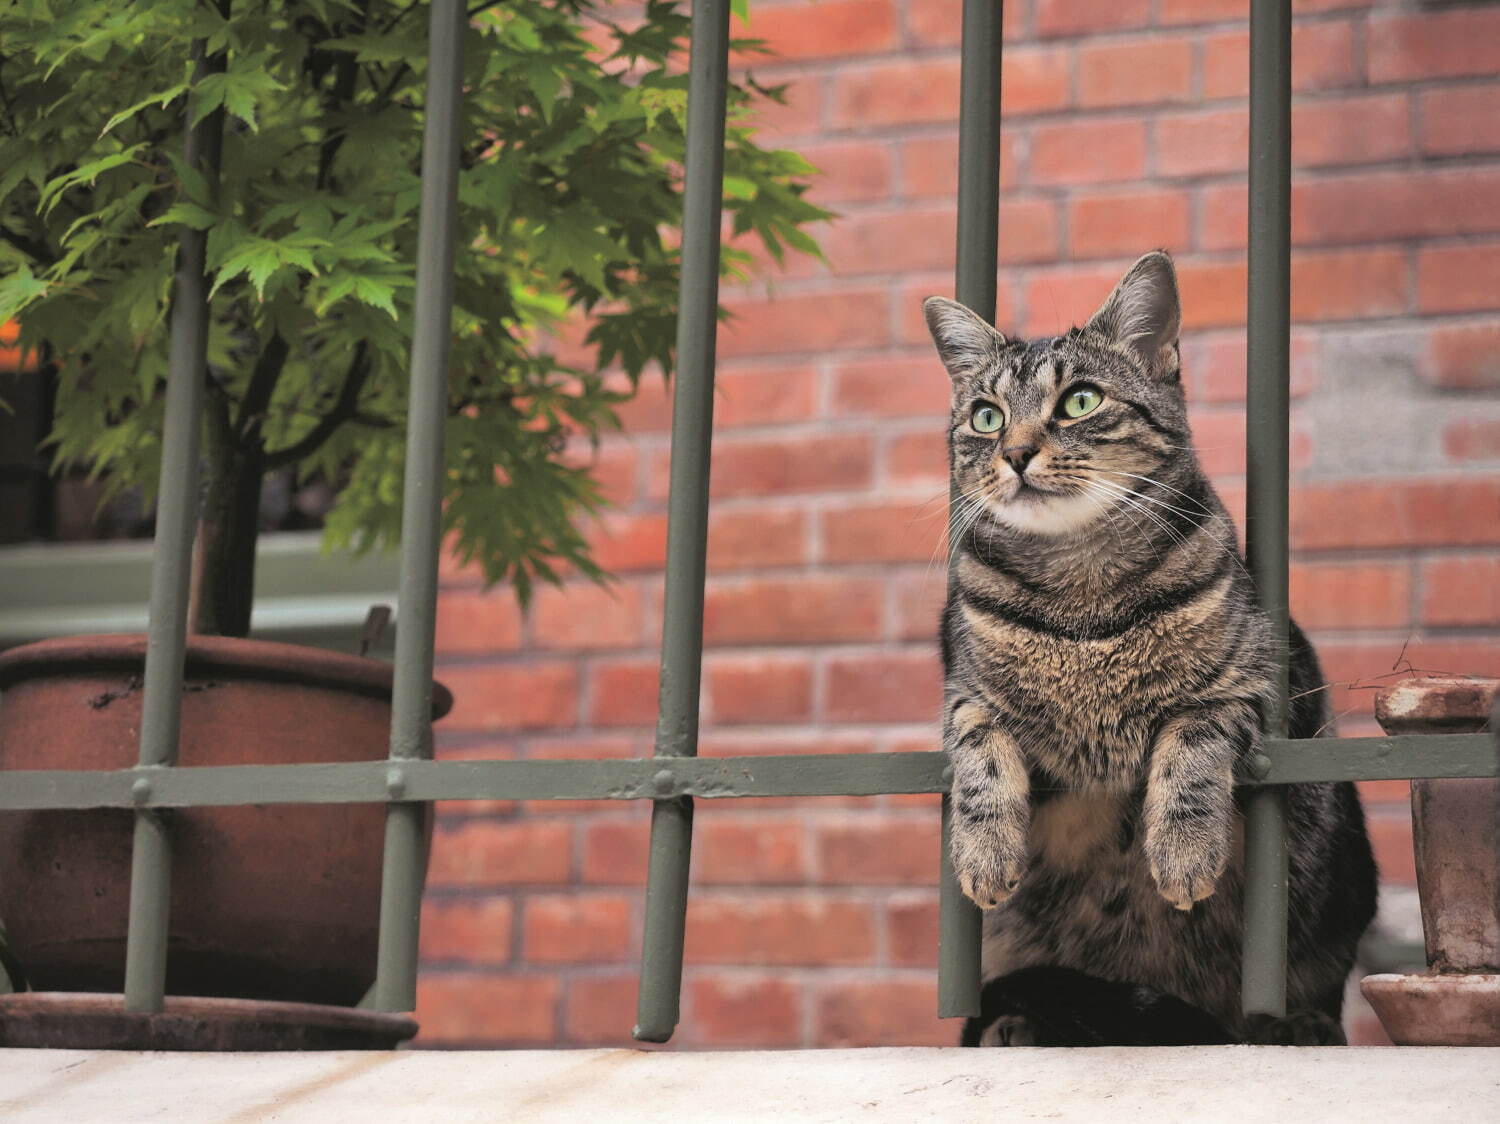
(1050,434)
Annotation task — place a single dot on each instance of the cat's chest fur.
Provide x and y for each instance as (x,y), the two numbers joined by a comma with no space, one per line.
(1086,710)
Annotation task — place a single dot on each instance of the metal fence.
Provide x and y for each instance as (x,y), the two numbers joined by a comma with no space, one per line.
(674,777)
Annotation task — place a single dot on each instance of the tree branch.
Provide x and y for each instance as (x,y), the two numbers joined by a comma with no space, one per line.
(262,383)
(346,408)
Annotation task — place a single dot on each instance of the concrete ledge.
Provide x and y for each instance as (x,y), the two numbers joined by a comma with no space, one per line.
(1219,1083)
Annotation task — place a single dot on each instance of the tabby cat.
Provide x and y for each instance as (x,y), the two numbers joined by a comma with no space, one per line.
(1106,666)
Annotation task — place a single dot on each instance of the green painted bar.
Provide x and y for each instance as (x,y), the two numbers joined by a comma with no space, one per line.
(974,285)
(171,568)
(1263,984)
(687,519)
(655,778)
(422,503)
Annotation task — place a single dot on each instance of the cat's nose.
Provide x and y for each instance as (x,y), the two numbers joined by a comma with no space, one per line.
(1019,456)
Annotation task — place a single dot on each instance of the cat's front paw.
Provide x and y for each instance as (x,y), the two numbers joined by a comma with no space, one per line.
(1186,867)
(989,858)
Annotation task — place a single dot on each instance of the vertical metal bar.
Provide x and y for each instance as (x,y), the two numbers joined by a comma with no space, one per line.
(975,282)
(1263,984)
(422,506)
(171,566)
(687,527)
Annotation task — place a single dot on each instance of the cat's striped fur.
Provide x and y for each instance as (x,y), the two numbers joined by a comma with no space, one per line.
(1106,667)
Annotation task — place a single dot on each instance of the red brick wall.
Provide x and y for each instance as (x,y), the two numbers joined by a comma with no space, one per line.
(812,921)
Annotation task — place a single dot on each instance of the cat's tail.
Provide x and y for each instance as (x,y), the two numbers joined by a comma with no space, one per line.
(1055,1006)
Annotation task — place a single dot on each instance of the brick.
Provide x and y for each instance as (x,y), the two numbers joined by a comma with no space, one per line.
(918,602)
(867,849)
(938,23)
(614,851)
(1088,151)
(1063,296)
(1461,121)
(891,388)
(583,616)
(760,689)
(649,409)
(1353,130)
(1202,11)
(852,172)
(763,395)
(1331,595)
(466,1008)
(622,542)
(1390,837)
(744,1010)
(1078,17)
(1322,58)
(1472,440)
(1118,223)
(1034,81)
(1219,438)
(904,93)
(498,853)
(798,114)
(1389,205)
(1202,143)
(918,458)
(1396,513)
(874,242)
(911,928)
(929,165)
(471,930)
(1437,44)
(788,465)
(1135,73)
(1461,591)
(883,1012)
(813,322)
(1348,284)
(801,610)
(890,687)
(1463,356)
(577,928)
(912,328)
(748,849)
(1458,278)
(1213,293)
(827,29)
(511,697)
(612,464)
(473,621)
(624,693)
(884,532)
(600,1010)
(757,538)
(809,928)
(1214,365)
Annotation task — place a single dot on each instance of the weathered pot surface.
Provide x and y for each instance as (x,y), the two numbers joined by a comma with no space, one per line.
(63,1020)
(1434,1009)
(271,902)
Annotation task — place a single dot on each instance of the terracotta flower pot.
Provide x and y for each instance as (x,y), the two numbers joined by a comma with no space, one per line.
(1454,833)
(270,902)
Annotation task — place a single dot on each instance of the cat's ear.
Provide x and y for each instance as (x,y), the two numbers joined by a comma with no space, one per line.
(1144,313)
(965,343)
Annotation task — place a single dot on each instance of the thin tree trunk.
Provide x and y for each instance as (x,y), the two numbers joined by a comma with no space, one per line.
(229,531)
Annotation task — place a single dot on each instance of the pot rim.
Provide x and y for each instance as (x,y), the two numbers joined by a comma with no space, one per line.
(266,660)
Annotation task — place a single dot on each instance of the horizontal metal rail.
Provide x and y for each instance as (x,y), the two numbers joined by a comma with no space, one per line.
(1286,761)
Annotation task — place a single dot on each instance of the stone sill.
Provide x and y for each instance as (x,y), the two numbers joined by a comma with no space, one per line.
(1160,1086)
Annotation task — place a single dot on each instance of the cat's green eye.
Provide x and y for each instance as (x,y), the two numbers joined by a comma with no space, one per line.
(986,418)
(1079,401)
